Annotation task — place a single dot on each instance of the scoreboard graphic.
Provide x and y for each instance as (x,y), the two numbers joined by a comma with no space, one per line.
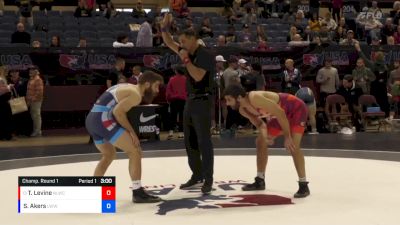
(66,195)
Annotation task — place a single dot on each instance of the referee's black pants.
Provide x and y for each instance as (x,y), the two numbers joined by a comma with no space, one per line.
(196,128)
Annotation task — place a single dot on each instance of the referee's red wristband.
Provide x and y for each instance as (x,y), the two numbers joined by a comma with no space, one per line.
(186,60)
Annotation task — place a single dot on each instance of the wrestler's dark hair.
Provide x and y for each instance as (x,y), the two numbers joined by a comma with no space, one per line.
(151,77)
(190,32)
(235,91)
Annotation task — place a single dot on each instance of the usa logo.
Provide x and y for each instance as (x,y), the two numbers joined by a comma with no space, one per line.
(228,194)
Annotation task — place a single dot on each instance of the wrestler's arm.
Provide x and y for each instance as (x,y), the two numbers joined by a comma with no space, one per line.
(122,108)
(255,120)
(258,100)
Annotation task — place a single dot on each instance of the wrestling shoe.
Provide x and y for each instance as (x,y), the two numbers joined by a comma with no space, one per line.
(303,190)
(258,185)
(140,196)
(192,183)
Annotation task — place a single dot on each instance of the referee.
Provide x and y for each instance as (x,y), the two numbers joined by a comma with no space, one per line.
(197,112)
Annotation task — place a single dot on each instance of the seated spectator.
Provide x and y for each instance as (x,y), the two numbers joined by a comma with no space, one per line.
(396,36)
(261,36)
(388,30)
(324,34)
(231,35)
(205,30)
(251,16)
(246,36)
(349,39)
(188,23)
(298,42)
(115,74)
(36,44)
(157,37)
(145,35)
(351,93)
(371,25)
(221,41)
(262,46)
(314,23)
(390,40)
(82,10)
(55,41)
(156,14)
(138,11)
(330,23)
(136,73)
(229,14)
(375,10)
(292,33)
(341,30)
(82,43)
(179,7)
(20,36)
(122,41)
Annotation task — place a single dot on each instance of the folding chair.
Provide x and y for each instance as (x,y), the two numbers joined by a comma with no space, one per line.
(336,118)
(371,111)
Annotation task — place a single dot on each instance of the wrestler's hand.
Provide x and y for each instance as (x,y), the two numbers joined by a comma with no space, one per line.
(289,144)
(135,140)
(167,20)
(183,54)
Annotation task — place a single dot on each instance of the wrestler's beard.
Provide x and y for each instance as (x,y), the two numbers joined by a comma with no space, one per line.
(148,96)
(236,106)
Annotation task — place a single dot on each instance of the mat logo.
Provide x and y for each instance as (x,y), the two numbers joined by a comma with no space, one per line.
(73,62)
(214,201)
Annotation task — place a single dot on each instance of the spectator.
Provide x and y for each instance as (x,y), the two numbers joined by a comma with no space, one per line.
(388,30)
(103,5)
(145,35)
(291,78)
(231,35)
(251,16)
(390,40)
(394,75)
(325,35)
(328,79)
(156,14)
(246,35)
(363,76)
(395,13)
(188,23)
(254,80)
(157,37)
(5,110)
(297,41)
(314,23)
(351,92)
(45,5)
(25,11)
(350,39)
(337,6)
(262,46)
(292,33)
(22,121)
(314,7)
(229,14)
(308,35)
(261,36)
(36,44)
(221,41)
(205,30)
(116,73)
(55,41)
(110,11)
(341,30)
(138,11)
(174,29)
(82,42)
(179,7)
(375,10)
(176,97)
(243,68)
(20,36)
(330,23)
(371,26)
(396,36)
(122,41)
(378,86)
(83,9)
(136,73)
(34,99)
